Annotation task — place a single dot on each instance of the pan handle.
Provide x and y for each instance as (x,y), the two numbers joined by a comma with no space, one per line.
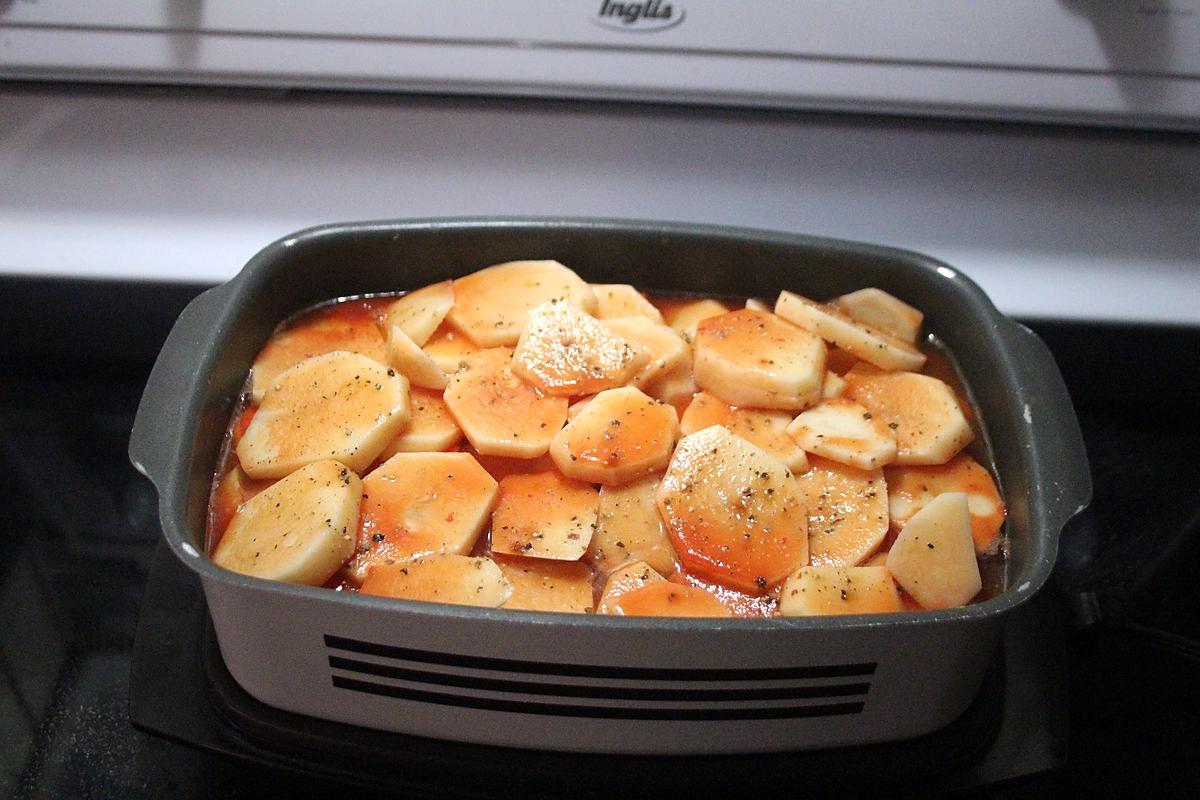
(1053,426)
(154,443)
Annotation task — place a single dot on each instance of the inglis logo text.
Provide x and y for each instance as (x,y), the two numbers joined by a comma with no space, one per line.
(643,17)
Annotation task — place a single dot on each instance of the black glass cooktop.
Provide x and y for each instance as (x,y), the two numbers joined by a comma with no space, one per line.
(1097,689)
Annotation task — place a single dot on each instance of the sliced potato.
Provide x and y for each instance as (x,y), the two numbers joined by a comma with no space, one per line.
(754,304)
(420,313)
(839,329)
(684,319)
(676,387)
(842,430)
(563,351)
(541,585)
(430,427)
(911,488)
(847,512)
(739,604)
(877,309)
(933,558)
(626,578)
(492,305)
(753,358)
(663,349)
(666,599)
(500,414)
(325,332)
(232,490)
(441,578)
(340,405)
(621,435)
(415,504)
(922,412)
(629,528)
(735,513)
(834,386)
(449,349)
(299,530)
(814,591)
(622,300)
(767,429)
(544,515)
(413,362)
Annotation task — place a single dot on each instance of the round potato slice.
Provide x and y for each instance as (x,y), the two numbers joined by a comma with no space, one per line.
(492,305)
(632,575)
(544,515)
(735,513)
(843,331)
(420,313)
(347,326)
(298,530)
(619,436)
(415,504)
(933,558)
(842,430)
(847,512)
(839,590)
(339,405)
(441,578)
(500,414)
(563,351)
(430,427)
(765,428)
(667,599)
(753,358)
(622,300)
(922,411)
(912,488)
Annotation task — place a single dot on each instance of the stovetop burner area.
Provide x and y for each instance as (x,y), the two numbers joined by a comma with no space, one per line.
(78,541)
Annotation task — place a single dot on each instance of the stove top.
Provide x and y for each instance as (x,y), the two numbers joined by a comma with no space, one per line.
(1097,689)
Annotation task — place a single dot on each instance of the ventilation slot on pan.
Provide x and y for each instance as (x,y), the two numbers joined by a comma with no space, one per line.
(582,690)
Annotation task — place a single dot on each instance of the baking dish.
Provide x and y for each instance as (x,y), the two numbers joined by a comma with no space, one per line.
(588,683)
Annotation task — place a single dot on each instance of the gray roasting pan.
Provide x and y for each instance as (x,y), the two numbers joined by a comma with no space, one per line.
(591,683)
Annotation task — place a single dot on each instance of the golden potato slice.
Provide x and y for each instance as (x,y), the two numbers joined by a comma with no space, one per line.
(621,435)
(299,530)
(622,300)
(541,585)
(544,515)
(842,430)
(877,309)
(349,328)
(685,318)
(413,362)
(668,599)
(839,329)
(813,591)
(752,358)
(677,387)
(563,351)
(847,513)
(500,414)
(441,578)
(933,558)
(629,528)
(339,405)
(922,411)
(420,313)
(663,348)
(492,305)
(415,504)
(626,578)
(449,349)
(735,513)
(430,427)
(767,429)
(911,488)
(834,386)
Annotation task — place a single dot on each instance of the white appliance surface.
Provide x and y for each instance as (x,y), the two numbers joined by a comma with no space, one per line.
(1053,222)
(1124,62)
